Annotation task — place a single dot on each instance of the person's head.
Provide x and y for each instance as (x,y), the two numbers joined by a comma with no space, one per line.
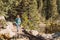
(18,16)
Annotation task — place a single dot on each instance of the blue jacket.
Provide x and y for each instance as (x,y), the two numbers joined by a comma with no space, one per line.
(18,21)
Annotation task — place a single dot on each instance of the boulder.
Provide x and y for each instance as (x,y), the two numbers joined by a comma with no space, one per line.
(7,32)
(2,17)
(34,32)
(10,30)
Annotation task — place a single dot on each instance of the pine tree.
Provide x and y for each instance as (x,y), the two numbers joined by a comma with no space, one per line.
(3,8)
(24,7)
(54,11)
(34,17)
(58,6)
(7,6)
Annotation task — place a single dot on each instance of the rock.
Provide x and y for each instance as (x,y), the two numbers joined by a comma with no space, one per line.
(10,24)
(34,32)
(47,36)
(9,31)
(20,31)
(58,38)
(42,27)
(22,39)
(53,36)
(2,17)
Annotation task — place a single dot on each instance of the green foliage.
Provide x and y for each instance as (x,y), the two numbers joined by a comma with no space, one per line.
(25,20)
(33,14)
(8,5)
(3,23)
(30,15)
(32,11)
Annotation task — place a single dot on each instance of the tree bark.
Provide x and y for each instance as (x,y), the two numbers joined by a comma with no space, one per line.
(53,4)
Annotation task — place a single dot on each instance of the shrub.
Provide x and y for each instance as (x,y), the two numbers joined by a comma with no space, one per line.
(52,28)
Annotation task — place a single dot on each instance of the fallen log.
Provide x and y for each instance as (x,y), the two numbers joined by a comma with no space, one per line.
(32,37)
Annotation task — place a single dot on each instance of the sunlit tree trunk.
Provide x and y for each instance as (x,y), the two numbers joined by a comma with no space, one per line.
(58,6)
(40,10)
(33,13)
(53,10)
(53,4)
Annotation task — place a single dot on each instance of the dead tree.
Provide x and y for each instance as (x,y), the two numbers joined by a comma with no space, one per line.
(32,37)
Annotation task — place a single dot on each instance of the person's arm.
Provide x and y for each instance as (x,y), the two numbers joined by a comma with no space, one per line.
(20,20)
(16,20)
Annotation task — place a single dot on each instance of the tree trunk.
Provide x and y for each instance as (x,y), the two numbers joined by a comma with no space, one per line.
(53,4)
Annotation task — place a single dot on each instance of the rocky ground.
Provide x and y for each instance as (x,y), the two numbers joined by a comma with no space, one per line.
(27,36)
(10,33)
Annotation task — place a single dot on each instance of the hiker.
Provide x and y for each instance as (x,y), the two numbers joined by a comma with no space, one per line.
(18,22)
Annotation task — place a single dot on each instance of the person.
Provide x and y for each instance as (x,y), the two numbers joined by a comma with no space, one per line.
(18,22)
